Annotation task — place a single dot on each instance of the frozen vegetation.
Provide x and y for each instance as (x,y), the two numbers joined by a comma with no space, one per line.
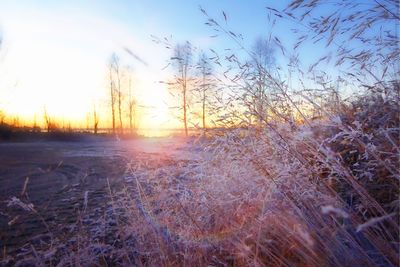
(290,173)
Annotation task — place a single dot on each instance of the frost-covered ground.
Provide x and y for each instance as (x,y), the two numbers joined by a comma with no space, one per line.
(242,197)
(45,187)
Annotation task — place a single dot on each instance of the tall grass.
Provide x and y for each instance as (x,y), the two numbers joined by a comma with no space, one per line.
(318,195)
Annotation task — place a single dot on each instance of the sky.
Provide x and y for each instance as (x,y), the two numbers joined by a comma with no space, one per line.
(54,54)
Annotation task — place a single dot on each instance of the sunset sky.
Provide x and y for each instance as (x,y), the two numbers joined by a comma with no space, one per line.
(55,53)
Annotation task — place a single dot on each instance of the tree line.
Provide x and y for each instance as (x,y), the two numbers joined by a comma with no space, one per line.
(121,96)
(201,88)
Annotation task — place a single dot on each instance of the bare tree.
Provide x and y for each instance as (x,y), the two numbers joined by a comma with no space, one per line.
(2,113)
(182,59)
(131,104)
(88,121)
(204,85)
(47,120)
(112,93)
(116,91)
(95,119)
(118,88)
(258,79)
(2,117)
(34,122)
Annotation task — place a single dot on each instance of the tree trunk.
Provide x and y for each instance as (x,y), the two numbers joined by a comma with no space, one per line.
(184,110)
(184,87)
(130,120)
(204,110)
(131,103)
(95,121)
(120,112)
(112,103)
(204,99)
(120,104)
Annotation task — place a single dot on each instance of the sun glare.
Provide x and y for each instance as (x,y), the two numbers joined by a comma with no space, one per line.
(59,65)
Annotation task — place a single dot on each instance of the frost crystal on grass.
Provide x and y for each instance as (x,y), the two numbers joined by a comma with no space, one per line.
(16,202)
(330,209)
